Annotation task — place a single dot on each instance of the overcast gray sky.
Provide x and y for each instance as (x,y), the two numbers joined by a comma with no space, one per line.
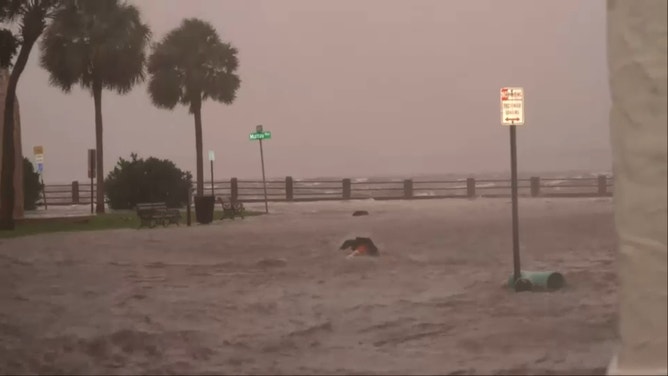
(357,88)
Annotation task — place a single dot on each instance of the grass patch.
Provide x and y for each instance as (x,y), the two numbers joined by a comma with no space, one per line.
(108,221)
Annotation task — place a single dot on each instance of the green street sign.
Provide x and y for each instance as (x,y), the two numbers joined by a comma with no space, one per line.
(266,135)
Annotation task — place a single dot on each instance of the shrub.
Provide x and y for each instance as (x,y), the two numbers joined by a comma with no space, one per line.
(146,180)
(32,187)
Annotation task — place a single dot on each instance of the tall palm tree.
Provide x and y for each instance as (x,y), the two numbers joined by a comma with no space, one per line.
(189,65)
(32,16)
(98,44)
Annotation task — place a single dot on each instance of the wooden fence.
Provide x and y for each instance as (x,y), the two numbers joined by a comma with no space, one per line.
(290,189)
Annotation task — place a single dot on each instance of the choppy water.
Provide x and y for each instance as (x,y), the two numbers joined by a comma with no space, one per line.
(373,187)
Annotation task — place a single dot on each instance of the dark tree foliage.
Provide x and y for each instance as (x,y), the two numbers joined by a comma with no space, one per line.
(8,47)
(139,180)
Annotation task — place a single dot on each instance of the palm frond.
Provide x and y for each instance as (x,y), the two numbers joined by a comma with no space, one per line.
(10,10)
(222,88)
(123,53)
(165,88)
(64,52)
(8,47)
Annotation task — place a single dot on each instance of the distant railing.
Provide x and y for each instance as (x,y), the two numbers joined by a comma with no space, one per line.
(291,189)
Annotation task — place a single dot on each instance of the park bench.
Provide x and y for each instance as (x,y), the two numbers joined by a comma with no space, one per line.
(231,208)
(151,214)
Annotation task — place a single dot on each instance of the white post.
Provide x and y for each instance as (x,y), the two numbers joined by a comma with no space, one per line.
(637,65)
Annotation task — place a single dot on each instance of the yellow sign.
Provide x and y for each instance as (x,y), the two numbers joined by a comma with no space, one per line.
(38,151)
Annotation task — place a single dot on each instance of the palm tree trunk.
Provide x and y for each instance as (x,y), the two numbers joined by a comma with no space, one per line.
(97,97)
(197,111)
(8,157)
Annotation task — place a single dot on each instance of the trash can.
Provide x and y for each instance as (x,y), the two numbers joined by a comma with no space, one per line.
(204,206)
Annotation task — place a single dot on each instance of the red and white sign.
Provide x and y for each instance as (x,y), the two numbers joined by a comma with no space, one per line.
(512,106)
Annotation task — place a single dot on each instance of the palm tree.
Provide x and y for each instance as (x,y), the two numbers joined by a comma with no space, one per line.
(98,44)
(190,65)
(32,16)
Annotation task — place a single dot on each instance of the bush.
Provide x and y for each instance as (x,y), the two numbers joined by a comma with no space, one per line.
(32,187)
(152,180)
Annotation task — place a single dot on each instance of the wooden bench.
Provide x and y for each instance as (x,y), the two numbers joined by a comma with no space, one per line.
(232,209)
(151,214)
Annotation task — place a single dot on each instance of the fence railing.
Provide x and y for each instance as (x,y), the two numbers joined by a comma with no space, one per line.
(290,189)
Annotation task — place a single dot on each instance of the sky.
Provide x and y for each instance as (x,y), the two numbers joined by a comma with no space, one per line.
(355,88)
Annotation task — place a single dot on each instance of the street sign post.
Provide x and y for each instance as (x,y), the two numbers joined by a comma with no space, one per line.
(91,163)
(38,152)
(512,106)
(190,203)
(260,134)
(512,114)
(212,158)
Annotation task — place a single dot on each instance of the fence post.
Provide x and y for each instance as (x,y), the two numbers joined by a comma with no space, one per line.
(408,188)
(470,187)
(346,189)
(535,186)
(234,189)
(75,192)
(289,188)
(602,185)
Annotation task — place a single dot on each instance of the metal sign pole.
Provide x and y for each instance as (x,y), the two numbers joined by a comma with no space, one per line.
(91,197)
(38,151)
(512,115)
(189,200)
(513,178)
(46,205)
(92,166)
(212,190)
(264,180)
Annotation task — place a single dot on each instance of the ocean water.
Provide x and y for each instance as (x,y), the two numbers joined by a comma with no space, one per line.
(331,188)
